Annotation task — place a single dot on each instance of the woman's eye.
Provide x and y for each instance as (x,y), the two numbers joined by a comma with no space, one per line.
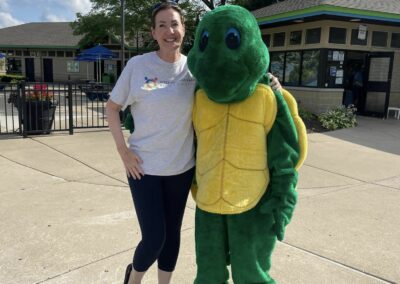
(232,38)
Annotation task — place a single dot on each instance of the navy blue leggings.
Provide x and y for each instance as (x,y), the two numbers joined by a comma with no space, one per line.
(160,204)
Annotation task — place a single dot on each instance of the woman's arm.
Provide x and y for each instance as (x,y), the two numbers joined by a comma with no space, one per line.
(131,161)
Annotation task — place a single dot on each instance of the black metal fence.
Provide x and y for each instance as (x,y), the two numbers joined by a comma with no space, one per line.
(37,108)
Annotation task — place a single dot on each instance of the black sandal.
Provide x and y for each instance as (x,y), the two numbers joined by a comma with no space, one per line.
(128,273)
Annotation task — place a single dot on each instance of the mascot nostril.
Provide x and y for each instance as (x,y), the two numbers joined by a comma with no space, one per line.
(250,144)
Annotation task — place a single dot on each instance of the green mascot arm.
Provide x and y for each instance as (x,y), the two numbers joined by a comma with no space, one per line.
(283,155)
(129,123)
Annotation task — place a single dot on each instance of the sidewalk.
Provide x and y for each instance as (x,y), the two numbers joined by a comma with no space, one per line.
(67,213)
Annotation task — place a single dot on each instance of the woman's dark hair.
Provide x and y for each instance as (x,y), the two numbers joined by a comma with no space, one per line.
(164,6)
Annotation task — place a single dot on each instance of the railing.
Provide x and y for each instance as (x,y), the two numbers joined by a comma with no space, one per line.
(36,108)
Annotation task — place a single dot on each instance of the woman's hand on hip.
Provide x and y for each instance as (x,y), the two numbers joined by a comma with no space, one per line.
(132,163)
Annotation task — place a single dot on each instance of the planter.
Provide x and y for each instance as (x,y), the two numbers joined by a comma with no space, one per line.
(39,117)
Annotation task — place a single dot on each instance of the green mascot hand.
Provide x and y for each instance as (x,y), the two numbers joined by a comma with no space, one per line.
(282,210)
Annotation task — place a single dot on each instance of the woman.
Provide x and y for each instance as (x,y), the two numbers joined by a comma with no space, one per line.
(160,159)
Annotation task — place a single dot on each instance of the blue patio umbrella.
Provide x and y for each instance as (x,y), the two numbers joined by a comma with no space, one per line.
(96,53)
(2,55)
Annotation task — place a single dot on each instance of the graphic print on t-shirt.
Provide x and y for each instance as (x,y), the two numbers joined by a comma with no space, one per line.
(152,84)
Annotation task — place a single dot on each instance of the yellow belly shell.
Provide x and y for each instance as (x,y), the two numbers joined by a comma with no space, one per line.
(231,163)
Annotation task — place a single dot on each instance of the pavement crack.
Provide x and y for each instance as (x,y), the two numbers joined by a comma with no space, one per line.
(332,172)
(374,182)
(84,265)
(26,166)
(352,268)
(79,161)
(96,261)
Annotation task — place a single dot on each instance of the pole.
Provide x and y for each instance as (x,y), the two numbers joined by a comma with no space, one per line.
(122,35)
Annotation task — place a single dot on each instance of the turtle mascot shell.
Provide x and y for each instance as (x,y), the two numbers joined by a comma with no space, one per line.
(250,143)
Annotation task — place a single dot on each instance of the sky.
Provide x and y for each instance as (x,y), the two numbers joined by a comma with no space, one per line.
(17,12)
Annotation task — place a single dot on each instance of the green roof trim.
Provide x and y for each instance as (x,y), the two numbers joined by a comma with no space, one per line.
(332,10)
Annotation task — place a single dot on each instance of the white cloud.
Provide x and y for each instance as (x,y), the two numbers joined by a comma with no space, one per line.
(49,17)
(7,20)
(4,5)
(77,6)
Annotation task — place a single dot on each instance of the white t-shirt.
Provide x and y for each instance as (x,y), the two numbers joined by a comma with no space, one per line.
(161,97)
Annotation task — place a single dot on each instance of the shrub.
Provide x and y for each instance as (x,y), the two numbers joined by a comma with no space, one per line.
(11,78)
(305,114)
(337,118)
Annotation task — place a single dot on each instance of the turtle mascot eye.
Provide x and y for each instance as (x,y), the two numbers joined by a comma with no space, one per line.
(250,143)
(232,38)
(203,41)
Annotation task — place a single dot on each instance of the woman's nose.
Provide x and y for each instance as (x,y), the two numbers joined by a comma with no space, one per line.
(171,30)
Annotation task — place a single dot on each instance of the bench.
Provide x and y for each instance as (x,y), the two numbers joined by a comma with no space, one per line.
(396,111)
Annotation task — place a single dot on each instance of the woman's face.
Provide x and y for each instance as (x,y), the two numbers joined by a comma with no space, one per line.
(169,30)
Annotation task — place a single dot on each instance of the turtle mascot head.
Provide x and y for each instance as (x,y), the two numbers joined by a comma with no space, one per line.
(228,57)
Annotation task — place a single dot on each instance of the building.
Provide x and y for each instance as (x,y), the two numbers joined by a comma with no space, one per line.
(322,49)
(46,52)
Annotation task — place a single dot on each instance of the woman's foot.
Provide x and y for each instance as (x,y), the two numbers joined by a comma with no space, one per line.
(128,273)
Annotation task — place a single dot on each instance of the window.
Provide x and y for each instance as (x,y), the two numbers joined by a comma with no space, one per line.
(379,39)
(14,66)
(43,53)
(18,53)
(310,67)
(279,39)
(26,53)
(337,35)
(355,40)
(267,39)
(60,53)
(292,68)
(395,40)
(313,36)
(72,66)
(277,62)
(69,54)
(295,37)
(52,53)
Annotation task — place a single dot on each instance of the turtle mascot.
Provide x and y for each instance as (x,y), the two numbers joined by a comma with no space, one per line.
(250,144)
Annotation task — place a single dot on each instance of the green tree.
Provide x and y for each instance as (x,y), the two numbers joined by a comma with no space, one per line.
(104,21)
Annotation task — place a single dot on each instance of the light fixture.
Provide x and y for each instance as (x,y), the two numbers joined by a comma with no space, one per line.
(299,21)
(355,20)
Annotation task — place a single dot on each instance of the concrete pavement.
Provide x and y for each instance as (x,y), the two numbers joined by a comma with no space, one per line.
(67,215)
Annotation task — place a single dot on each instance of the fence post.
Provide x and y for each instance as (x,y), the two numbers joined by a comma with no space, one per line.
(70,110)
(24,108)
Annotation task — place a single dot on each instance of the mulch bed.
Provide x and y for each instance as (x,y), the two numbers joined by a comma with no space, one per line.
(313,125)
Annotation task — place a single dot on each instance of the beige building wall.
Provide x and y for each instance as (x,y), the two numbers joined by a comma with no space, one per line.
(316,100)
(394,99)
(319,100)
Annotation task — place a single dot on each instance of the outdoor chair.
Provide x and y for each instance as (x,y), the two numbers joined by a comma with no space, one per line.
(396,111)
